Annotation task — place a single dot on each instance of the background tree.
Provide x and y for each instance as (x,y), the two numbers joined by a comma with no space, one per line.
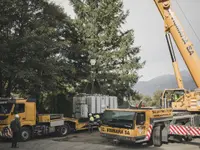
(147,100)
(99,23)
(45,54)
(156,98)
(40,50)
(153,101)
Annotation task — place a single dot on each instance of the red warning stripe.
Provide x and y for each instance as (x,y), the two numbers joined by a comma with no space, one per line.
(184,130)
(149,131)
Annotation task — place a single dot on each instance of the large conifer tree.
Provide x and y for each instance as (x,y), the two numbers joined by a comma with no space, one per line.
(99,23)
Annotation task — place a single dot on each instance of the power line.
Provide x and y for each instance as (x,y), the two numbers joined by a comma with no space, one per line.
(188,20)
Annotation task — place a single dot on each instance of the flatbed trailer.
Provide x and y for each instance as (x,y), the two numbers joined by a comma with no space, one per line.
(34,124)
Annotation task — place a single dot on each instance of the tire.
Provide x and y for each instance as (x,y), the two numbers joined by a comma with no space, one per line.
(188,139)
(25,134)
(157,136)
(63,130)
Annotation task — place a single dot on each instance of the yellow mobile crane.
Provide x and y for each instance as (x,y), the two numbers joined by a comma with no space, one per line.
(148,125)
(187,101)
(157,125)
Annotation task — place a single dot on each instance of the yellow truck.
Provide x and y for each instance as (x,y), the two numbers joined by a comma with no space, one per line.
(148,125)
(34,124)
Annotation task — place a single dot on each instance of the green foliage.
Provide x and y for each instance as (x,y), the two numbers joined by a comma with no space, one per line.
(99,26)
(152,101)
(46,54)
(39,52)
(156,98)
(147,100)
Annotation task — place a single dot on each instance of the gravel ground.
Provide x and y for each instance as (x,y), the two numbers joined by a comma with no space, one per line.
(86,141)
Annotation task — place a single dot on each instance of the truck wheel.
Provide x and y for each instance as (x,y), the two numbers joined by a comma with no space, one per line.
(25,134)
(63,130)
(157,136)
(188,139)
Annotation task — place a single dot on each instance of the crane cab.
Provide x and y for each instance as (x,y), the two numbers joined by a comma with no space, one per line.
(171,95)
(181,100)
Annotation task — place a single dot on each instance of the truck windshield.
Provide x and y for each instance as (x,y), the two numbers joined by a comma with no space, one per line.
(5,108)
(122,119)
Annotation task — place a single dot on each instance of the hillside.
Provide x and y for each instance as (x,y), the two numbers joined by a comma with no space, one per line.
(162,82)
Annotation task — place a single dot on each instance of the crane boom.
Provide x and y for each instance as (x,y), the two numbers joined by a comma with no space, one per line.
(174,62)
(185,47)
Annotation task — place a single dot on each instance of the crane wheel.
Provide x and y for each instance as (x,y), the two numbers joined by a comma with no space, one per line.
(188,139)
(157,136)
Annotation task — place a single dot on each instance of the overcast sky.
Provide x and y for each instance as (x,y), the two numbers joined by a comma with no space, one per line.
(148,26)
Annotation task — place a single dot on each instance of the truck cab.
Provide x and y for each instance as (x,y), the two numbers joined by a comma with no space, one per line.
(31,123)
(25,108)
(133,125)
